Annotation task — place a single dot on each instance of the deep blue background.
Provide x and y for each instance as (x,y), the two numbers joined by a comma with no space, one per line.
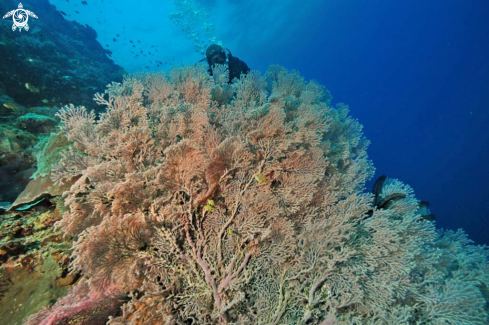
(416,75)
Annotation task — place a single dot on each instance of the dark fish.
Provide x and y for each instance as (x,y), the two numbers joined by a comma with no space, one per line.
(385,203)
(424,204)
(62,12)
(84,3)
(77,12)
(114,40)
(429,217)
(377,189)
(131,42)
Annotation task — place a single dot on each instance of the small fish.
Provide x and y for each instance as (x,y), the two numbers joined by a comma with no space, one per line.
(45,101)
(77,12)
(62,12)
(11,106)
(31,88)
(114,40)
(84,3)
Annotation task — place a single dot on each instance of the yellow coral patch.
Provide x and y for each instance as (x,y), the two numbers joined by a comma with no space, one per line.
(260,178)
(209,206)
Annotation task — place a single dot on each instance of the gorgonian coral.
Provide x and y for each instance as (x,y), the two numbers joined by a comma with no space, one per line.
(217,204)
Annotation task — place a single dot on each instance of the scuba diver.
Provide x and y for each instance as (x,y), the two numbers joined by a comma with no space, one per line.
(215,54)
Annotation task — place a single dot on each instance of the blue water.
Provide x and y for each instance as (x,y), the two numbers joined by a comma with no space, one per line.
(415,73)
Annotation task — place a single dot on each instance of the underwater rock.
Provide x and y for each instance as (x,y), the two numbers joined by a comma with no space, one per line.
(16,160)
(26,288)
(49,153)
(36,190)
(36,124)
(14,141)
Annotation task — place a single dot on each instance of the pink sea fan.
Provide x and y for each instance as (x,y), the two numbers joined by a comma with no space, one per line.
(245,209)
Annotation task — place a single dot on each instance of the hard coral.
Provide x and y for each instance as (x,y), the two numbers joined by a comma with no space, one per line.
(288,238)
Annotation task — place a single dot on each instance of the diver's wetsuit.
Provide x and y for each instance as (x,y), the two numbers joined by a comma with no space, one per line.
(235,66)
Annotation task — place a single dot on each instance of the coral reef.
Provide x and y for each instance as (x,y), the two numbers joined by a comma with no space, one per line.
(56,62)
(212,206)
(34,261)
